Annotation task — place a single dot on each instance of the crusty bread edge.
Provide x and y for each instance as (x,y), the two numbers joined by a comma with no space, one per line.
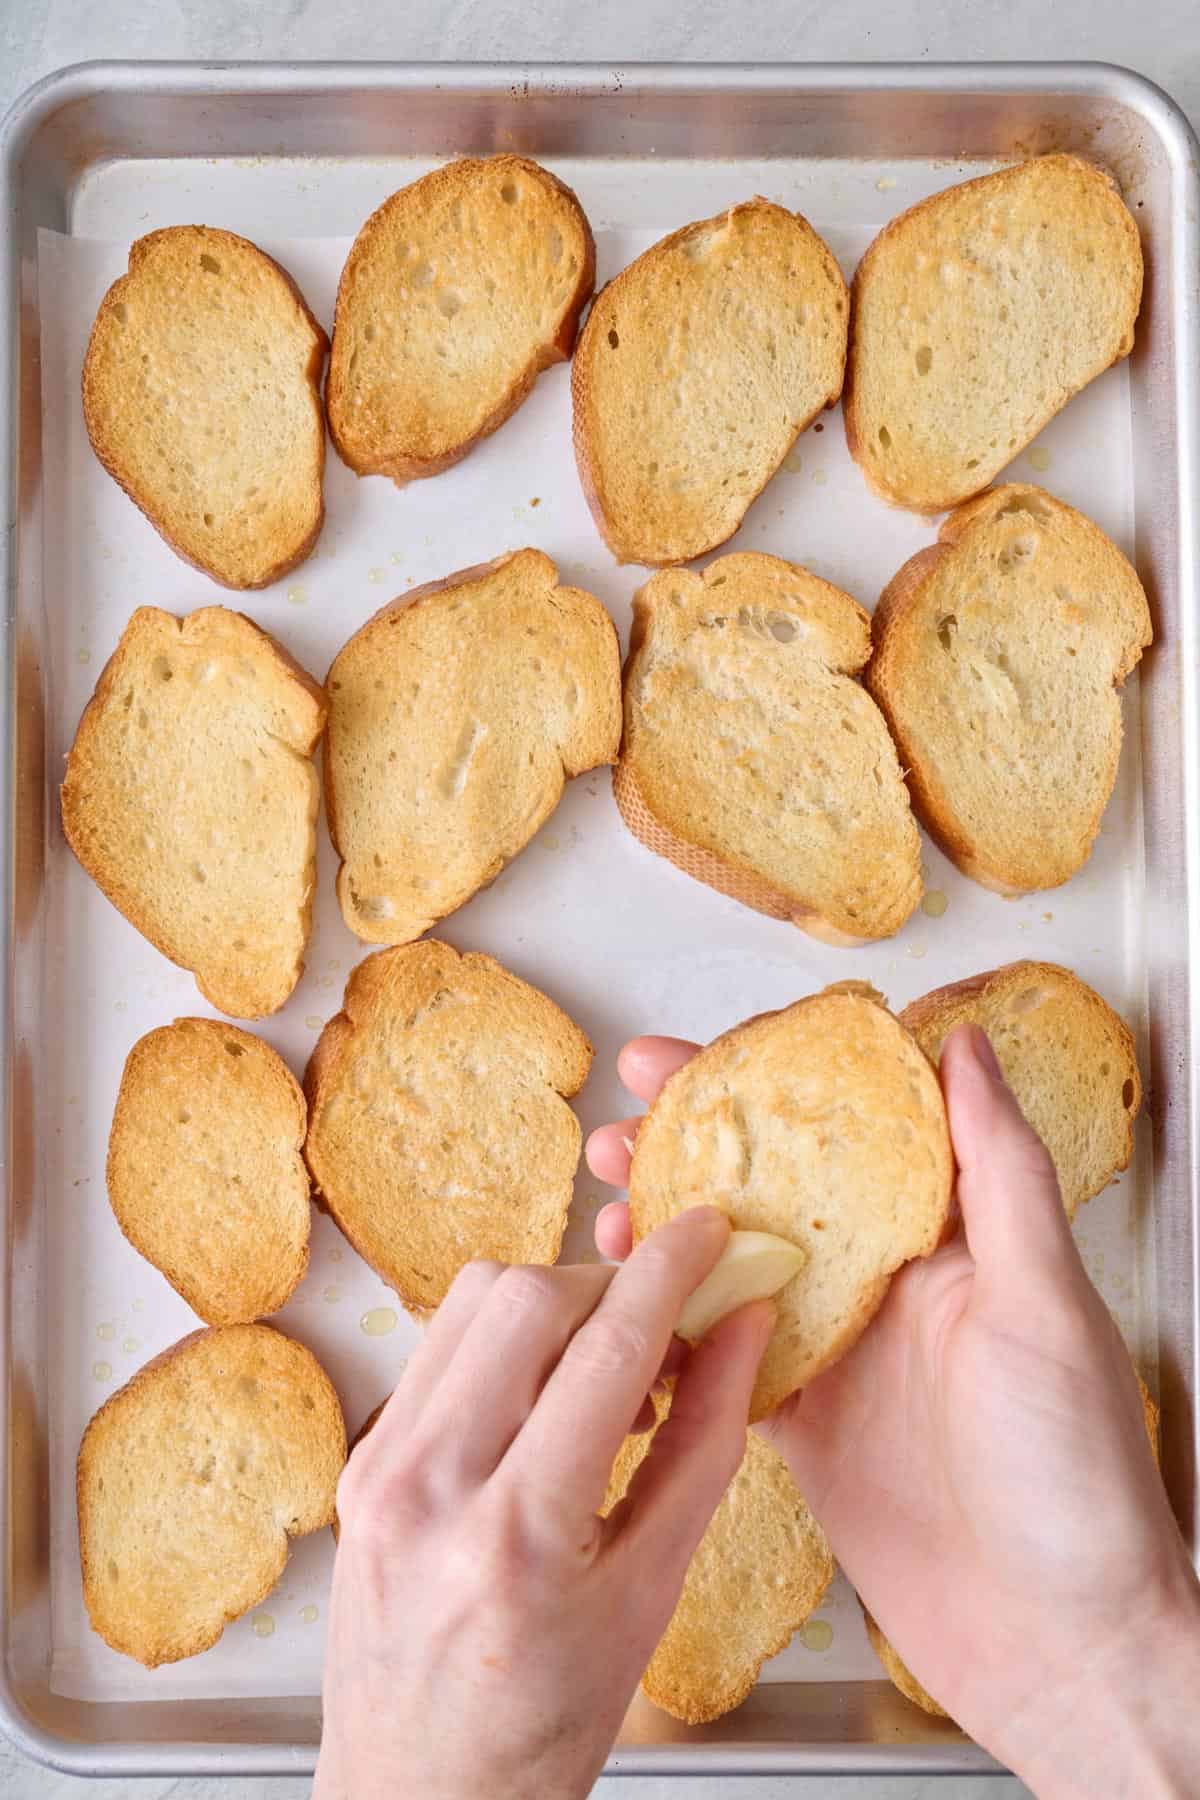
(127,905)
(931,504)
(295,1092)
(589,476)
(202,1640)
(403,469)
(312,375)
(477,572)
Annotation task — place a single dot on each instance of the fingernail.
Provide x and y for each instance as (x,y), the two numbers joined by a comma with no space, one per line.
(705,1215)
(985,1056)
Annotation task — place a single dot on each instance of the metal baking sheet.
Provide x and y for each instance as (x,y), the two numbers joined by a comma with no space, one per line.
(619,938)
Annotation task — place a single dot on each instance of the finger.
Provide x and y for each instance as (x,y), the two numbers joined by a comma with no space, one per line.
(593,1396)
(490,1385)
(646,1063)
(614,1231)
(1008,1192)
(698,1450)
(443,1335)
(608,1153)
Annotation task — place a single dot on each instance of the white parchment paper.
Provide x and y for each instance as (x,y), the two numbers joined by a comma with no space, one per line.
(622,940)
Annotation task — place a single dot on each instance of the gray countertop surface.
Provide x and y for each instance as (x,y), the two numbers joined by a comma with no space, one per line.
(1160,38)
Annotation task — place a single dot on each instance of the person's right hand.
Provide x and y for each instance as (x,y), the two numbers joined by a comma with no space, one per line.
(980,1463)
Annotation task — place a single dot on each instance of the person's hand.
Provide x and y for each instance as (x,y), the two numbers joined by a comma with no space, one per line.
(980,1463)
(487,1628)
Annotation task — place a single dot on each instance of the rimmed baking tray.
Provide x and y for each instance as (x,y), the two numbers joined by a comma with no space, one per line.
(282,153)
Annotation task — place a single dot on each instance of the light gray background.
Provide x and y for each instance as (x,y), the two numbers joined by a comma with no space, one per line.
(1160,38)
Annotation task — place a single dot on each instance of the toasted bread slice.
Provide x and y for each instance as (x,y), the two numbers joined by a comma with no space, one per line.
(823,1123)
(998,653)
(1067,1056)
(696,371)
(191,1480)
(205,1171)
(191,801)
(458,291)
(439,1129)
(201,395)
(455,715)
(898,1671)
(751,757)
(761,1568)
(976,315)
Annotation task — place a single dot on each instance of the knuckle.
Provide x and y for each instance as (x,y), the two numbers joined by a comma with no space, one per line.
(609,1343)
(475,1278)
(526,1288)
(657,1261)
(501,1551)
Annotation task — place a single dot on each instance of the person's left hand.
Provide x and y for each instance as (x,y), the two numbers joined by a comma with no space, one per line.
(487,1628)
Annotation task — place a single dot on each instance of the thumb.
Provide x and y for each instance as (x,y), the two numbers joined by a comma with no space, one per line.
(1008,1192)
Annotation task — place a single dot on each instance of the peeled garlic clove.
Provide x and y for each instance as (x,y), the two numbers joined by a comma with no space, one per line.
(753,1266)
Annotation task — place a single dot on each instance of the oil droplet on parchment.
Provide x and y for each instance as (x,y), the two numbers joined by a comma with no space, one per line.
(816,1634)
(916,951)
(130,1344)
(101,1370)
(335,1255)
(297,596)
(934,903)
(1039,459)
(264,1625)
(379,1321)
(333,1295)
(107,1332)
(313,1022)
(885,184)
(308,1614)
(791,463)
(374,574)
